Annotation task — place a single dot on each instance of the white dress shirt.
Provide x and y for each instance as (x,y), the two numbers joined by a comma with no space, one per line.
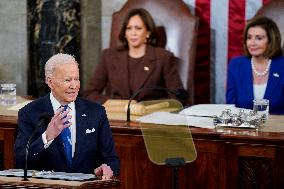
(56,105)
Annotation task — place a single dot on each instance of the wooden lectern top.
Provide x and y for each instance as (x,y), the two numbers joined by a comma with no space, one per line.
(16,182)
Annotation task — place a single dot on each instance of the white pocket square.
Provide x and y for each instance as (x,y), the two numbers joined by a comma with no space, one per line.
(84,115)
(88,131)
(275,74)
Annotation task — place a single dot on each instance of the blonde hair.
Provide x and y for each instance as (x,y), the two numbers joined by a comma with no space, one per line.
(55,60)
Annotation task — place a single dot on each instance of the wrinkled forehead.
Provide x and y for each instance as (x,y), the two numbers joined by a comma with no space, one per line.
(66,70)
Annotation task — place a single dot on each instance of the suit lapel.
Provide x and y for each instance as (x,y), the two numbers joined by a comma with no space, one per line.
(121,65)
(47,105)
(248,79)
(46,108)
(273,79)
(81,118)
(146,67)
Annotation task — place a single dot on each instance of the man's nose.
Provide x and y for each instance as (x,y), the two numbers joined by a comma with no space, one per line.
(73,84)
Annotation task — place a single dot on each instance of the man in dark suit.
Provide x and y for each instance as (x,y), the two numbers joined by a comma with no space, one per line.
(89,147)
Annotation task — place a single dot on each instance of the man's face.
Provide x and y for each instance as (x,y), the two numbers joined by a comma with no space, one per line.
(64,82)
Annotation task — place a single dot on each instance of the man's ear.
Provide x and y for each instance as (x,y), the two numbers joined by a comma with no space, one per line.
(49,82)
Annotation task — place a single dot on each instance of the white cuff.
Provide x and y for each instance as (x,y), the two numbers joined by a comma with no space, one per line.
(44,140)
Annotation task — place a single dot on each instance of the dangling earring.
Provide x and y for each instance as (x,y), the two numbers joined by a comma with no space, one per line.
(147,37)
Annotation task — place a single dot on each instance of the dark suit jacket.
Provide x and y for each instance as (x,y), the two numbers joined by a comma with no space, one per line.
(158,68)
(91,150)
(240,84)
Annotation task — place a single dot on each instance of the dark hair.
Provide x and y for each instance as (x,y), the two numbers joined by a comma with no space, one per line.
(274,37)
(147,20)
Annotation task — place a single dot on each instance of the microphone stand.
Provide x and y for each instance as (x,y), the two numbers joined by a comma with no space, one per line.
(45,117)
(26,167)
(27,153)
(129,102)
(26,158)
(176,92)
(175,164)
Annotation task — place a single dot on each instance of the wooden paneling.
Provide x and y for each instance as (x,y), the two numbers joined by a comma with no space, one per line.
(229,160)
(8,126)
(225,160)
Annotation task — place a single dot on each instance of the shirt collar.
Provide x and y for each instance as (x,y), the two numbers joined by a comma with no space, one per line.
(55,104)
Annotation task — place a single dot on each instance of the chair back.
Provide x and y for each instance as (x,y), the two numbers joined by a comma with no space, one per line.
(274,10)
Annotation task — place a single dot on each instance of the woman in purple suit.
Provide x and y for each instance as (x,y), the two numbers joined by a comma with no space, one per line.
(139,63)
(260,73)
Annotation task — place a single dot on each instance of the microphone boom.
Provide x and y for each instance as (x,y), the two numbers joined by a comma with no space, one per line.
(43,119)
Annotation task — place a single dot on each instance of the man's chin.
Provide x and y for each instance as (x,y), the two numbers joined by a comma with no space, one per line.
(72,98)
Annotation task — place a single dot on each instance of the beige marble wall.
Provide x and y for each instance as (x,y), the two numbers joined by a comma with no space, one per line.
(13,41)
(90,38)
(96,25)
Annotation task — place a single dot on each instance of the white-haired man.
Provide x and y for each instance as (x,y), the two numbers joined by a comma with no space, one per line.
(77,138)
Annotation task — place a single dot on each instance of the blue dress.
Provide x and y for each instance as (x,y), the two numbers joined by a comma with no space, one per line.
(240,84)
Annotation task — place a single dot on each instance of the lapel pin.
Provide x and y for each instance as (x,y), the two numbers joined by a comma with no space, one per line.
(84,115)
(275,74)
(146,68)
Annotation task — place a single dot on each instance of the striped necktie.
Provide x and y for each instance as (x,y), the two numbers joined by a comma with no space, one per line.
(67,142)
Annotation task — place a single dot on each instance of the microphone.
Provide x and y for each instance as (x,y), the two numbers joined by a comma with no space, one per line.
(179,93)
(44,119)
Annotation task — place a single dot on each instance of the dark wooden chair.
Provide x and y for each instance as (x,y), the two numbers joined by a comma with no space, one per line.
(177,31)
(274,10)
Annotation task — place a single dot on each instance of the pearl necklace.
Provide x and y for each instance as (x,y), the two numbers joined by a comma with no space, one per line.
(260,74)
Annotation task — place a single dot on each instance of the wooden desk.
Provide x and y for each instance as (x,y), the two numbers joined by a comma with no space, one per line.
(228,159)
(16,182)
(8,126)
